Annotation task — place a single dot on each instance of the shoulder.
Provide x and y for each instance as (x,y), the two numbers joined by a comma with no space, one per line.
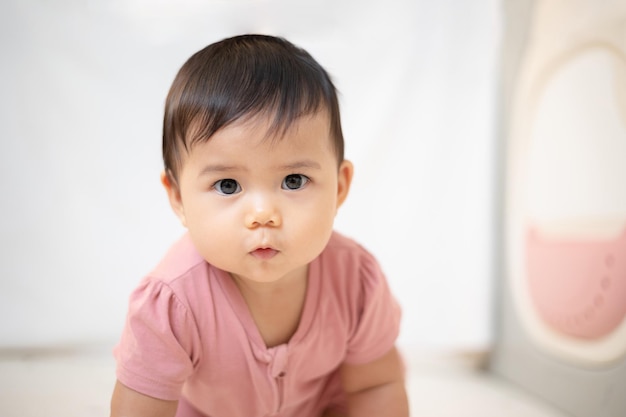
(358,298)
(341,245)
(354,270)
(363,299)
(180,259)
(347,255)
(182,277)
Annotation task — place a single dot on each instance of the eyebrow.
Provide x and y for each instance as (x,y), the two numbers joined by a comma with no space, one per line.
(219,168)
(305,163)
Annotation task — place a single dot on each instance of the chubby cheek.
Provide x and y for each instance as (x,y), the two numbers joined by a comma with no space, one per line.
(320,222)
(315,229)
(216,246)
(207,213)
(209,228)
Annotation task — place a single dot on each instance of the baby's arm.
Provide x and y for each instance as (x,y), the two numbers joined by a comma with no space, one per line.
(376,388)
(129,403)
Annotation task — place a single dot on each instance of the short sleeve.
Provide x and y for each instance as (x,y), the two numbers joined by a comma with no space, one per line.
(159,343)
(379,315)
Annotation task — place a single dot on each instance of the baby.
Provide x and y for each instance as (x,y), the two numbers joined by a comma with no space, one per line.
(260,308)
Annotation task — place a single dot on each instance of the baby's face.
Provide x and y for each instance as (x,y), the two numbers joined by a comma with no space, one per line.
(262,208)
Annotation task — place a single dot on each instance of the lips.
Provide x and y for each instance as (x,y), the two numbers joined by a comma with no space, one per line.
(264,253)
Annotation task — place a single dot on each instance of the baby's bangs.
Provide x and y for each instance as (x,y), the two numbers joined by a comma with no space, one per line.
(269,84)
(242,78)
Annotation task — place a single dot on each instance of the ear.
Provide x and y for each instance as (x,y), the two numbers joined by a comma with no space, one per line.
(173,193)
(344,179)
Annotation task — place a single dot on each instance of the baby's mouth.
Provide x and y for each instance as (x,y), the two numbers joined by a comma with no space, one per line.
(264,253)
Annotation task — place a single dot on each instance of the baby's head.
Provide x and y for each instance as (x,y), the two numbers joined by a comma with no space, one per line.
(253,151)
(241,78)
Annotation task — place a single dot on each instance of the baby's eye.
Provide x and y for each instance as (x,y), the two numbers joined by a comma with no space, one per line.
(294,182)
(227,186)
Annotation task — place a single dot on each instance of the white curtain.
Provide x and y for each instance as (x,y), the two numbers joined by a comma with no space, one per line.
(83,216)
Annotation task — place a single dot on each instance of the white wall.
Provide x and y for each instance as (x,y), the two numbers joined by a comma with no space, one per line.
(83,216)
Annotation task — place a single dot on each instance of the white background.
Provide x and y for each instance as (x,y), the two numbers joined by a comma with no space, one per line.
(82,213)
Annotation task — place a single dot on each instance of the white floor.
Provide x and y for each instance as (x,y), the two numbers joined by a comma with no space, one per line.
(78,384)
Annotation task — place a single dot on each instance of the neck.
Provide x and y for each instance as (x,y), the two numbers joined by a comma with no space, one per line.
(268,290)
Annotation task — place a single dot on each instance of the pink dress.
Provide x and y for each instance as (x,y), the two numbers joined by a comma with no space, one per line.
(189,336)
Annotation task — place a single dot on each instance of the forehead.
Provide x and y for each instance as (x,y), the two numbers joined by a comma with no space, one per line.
(256,144)
(262,131)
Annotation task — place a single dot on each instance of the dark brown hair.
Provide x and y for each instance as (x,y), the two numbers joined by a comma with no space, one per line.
(241,77)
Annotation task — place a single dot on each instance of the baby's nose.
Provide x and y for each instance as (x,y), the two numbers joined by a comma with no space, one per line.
(263,212)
